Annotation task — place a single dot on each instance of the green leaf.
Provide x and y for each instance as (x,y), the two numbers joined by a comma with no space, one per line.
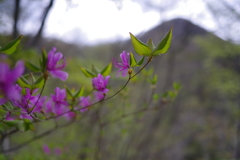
(25,125)
(32,67)
(39,82)
(150,44)
(24,83)
(164,45)
(88,73)
(140,47)
(11,47)
(44,60)
(69,91)
(107,70)
(80,92)
(132,60)
(139,63)
(95,69)
(177,85)
(11,123)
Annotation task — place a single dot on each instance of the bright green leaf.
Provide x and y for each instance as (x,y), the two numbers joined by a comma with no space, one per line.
(164,45)
(11,47)
(88,73)
(150,44)
(140,47)
(107,70)
(132,60)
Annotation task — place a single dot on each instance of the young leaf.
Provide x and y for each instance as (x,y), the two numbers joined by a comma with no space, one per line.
(132,60)
(80,92)
(44,59)
(150,44)
(32,66)
(11,123)
(107,70)
(69,91)
(11,47)
(139,63)
(39,82)
(164,45)
(23,82)
(95,69)
(88,73)
(140,48)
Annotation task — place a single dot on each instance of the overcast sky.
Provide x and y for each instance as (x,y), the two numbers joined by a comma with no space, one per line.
(98,21)
(103,20)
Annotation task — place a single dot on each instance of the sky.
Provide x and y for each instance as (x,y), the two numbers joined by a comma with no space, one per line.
(99,21)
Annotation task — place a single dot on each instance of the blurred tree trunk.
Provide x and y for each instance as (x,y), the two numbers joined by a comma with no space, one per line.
(38,36)
(16,18)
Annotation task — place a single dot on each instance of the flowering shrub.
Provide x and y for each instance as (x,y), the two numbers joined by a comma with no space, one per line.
(21,95)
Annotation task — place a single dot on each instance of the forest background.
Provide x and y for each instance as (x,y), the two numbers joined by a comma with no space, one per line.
(201,122)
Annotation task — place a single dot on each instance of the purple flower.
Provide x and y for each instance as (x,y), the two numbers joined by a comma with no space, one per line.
(46,149)
(57,151)
(60,104)
(100,84)
(7,81)
(55,63)
(99,96)
(124,65)
(84,102)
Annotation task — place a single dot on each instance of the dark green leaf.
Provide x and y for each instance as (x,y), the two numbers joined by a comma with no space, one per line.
(140,47)
(11,47)
(32,67)
(69,92)
(39,82)
(95,69)
(80,92)
(139,63)
(44,59)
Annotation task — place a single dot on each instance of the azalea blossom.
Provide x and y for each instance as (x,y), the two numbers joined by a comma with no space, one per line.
(55,63)
(100,84)
(59,102)
(7,81)
(124,65)
(46,149)
(84,102)
(99,96)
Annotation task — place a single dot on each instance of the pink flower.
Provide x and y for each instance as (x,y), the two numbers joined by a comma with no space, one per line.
(7,82)
(55,63)
(100,84)
(124,65)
